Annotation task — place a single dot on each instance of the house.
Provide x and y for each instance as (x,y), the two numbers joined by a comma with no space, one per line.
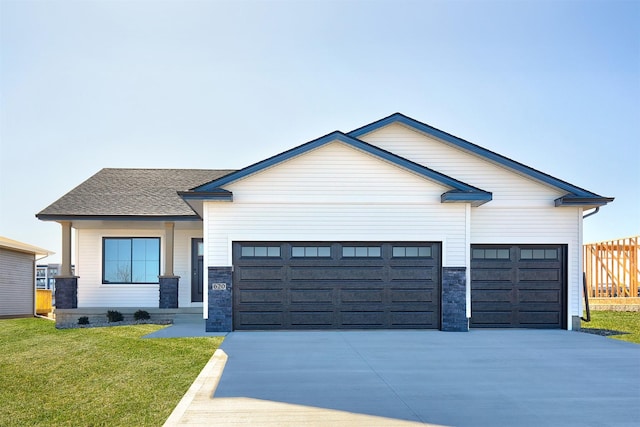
(393,225)
(17,277)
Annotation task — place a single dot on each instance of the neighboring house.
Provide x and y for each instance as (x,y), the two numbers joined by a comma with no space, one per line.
(17,277)
(393,225)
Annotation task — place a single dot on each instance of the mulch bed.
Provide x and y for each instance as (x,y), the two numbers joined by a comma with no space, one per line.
(603,332)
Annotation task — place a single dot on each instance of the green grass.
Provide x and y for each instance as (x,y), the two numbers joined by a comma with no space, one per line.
(94,376)
(623,321)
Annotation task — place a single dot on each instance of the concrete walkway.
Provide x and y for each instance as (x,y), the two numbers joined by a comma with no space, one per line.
(184,326)
(480,378)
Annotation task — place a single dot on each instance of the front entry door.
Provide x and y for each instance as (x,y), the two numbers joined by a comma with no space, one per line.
(197,252)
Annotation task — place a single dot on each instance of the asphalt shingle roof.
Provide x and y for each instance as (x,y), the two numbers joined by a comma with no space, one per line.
(132,192)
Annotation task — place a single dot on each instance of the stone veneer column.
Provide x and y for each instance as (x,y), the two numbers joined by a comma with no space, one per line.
(168,291)
(66,292)
(454,299)
(220,302)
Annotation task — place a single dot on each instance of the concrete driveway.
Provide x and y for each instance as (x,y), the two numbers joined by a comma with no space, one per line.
(480,378)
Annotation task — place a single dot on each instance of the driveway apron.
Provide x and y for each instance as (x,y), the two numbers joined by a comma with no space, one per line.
(480,378)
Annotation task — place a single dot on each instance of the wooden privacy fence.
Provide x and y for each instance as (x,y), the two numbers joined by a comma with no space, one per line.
(43,301)
(612,268)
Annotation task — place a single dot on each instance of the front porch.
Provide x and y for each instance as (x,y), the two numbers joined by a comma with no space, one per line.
(92,291)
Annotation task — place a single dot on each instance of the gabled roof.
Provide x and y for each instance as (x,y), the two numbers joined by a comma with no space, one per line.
(575,196)
(131,194)
(160,194)
(460,191)
(14,245)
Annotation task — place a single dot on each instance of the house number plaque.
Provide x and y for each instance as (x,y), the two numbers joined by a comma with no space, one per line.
(219,286)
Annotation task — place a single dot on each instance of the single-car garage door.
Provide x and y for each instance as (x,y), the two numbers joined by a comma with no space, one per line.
(336,285)
(518,286)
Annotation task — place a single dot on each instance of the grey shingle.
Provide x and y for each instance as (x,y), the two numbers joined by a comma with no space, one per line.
(132,192)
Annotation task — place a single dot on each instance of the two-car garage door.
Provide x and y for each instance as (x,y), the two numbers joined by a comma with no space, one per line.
(336,285)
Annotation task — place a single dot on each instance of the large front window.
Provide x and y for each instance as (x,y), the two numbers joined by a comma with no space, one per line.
(130,259)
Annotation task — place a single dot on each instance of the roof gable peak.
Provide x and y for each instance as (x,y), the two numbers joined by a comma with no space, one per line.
(460,191)
(573,192)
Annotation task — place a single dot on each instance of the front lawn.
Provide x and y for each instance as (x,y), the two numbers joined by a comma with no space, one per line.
(621,321)
(94,376)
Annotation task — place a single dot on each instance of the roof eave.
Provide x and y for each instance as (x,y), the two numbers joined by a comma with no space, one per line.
(16,246)
(68,217)
(218,194)
(586,202)
(476,198)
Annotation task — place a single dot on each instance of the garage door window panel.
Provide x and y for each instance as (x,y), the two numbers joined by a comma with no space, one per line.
(538,254)
(361,252)
(311,252)
(490,253)
(411,252)
(260,252)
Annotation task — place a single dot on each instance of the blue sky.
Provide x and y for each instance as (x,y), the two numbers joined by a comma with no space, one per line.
(222,84)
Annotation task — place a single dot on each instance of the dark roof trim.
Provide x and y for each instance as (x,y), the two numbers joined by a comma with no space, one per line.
(572,200)
(219,194)
(215,186)
(475,149)
(476,199)
(48,217)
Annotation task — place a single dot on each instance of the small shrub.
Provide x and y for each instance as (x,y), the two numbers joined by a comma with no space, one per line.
(141,315)
(114,316)
(84,320)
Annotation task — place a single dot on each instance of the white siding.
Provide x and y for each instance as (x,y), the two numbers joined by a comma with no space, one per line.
(522,210)
(523,225)
(508,188)
(93,293)
(17,283)
(330,194)
(336,173)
